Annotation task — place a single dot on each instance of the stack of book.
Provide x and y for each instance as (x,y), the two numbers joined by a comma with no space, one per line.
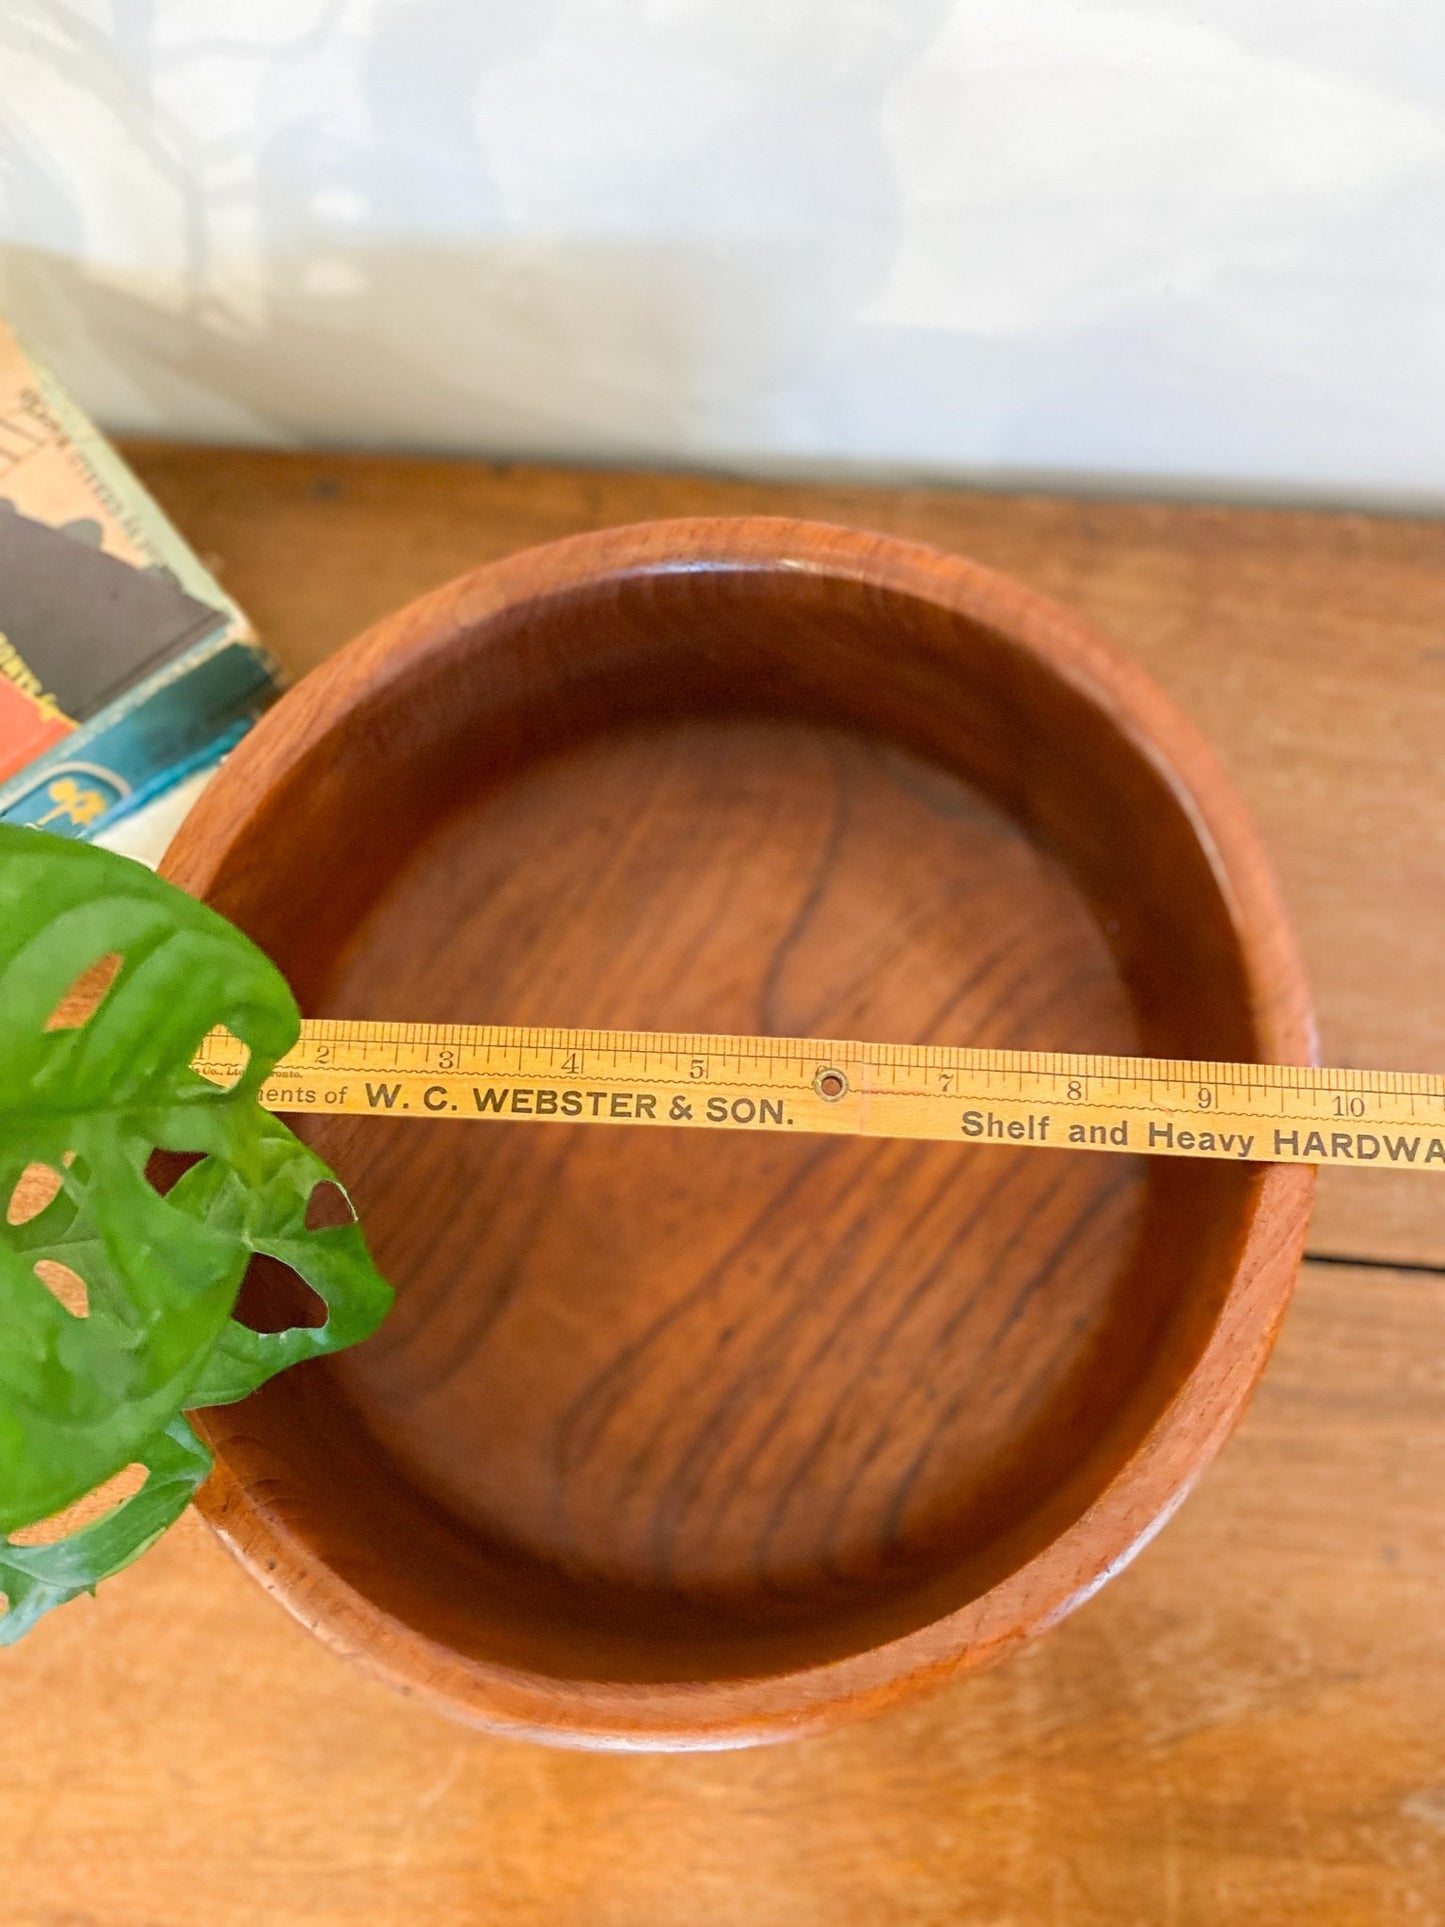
(126,672)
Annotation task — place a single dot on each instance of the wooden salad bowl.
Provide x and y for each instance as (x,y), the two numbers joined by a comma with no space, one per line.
(689,1439)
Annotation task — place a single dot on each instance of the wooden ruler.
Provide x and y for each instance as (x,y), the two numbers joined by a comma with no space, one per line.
(1052,1101)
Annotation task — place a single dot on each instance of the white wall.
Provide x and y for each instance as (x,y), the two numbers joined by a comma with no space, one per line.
(1196,242)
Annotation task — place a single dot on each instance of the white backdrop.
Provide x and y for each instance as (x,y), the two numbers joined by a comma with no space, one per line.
(1188,243)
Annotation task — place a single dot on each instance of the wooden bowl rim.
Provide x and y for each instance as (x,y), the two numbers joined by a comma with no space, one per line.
(1188,1432)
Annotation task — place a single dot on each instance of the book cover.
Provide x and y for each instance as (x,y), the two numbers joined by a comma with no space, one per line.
(124,667)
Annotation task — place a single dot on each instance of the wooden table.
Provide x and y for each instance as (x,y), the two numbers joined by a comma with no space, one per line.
(1248,1725)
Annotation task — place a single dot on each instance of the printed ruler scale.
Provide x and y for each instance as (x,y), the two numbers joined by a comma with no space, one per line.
(1049,1100)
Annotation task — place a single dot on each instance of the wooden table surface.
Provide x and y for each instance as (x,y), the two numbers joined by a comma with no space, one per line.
(1248,1725)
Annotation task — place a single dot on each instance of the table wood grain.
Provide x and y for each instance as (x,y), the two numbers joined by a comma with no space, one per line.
(1247,1726)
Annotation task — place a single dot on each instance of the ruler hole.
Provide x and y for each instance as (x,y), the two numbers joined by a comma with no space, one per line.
(830,1083)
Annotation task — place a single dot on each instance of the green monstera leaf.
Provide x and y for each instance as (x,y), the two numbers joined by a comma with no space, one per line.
(89,1389)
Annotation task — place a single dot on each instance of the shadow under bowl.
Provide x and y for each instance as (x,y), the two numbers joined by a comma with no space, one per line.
(695,1439)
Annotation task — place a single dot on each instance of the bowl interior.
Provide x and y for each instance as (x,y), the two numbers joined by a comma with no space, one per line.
(657,1405)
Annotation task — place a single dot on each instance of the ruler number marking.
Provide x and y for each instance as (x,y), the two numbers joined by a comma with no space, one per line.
(931,1079)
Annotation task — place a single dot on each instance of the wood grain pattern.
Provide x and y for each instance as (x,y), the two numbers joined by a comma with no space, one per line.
(1308,647)
(1244,1727)
(594,1386)
(684,1443)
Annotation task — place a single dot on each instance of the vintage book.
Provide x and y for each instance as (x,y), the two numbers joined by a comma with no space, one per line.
(125,669)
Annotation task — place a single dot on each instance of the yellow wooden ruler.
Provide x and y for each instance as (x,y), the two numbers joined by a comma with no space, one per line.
(1158,1106)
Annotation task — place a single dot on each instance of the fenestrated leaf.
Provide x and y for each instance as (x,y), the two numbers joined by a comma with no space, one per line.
(35,1578)
(80,1397)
